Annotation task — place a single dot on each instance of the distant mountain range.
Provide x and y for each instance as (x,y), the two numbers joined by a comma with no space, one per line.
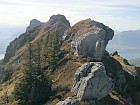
(126,39)
(127,43)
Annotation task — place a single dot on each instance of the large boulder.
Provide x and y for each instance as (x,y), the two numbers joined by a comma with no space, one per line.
(91,82)
(89,38)
(69,101)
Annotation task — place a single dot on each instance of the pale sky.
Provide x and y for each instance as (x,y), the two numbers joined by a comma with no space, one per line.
(117,14)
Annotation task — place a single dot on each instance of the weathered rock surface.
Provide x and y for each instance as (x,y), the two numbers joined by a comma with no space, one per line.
(89,38)
(91,82)
(55,19)
(69,101)
(59,22)
(33,23)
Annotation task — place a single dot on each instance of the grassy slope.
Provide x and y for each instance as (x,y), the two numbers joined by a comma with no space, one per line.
(62,80)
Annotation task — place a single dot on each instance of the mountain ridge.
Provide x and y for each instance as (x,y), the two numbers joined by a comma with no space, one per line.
(67,64)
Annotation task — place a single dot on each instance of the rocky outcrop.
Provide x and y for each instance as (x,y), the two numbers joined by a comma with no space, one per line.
(89,38)
(17,47)
(91,82)
(69,101)
(33,23)
(114,53)
(58,22)
(55,19)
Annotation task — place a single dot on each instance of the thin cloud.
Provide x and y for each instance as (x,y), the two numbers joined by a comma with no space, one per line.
(112,13)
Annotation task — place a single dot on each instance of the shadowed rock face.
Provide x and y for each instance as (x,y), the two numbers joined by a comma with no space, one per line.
(91,82)
(58,22)
(89,38)
(55,19)
(33,23)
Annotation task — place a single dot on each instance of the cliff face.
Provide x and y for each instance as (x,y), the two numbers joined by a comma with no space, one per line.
(94,81)
(33,23)
(89,38)
(91,82)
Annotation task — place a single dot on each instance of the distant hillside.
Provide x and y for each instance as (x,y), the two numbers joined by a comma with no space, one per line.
(135,62)
(126,43)
(126,39)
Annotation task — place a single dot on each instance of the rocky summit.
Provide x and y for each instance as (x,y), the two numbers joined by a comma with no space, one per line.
(89,38)
(55,19)
(33,23)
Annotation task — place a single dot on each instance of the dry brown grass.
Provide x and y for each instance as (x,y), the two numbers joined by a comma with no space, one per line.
(123,63)
(62,80)
(64,75)
(9,86)
(53,102)
(116,97)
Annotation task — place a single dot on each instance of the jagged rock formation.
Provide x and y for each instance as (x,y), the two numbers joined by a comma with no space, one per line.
(33,23)
(89,38)
(91,82)
(56,19)
(59,22)
(17,47)
(69,101)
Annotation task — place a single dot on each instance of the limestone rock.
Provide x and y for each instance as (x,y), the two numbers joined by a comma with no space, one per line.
(69,101)
(89,38)
(33,23)
(91,82)
(55,19)
(59,22)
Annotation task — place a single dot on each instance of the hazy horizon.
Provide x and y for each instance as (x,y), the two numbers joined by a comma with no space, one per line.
(117,14)
(120,15)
